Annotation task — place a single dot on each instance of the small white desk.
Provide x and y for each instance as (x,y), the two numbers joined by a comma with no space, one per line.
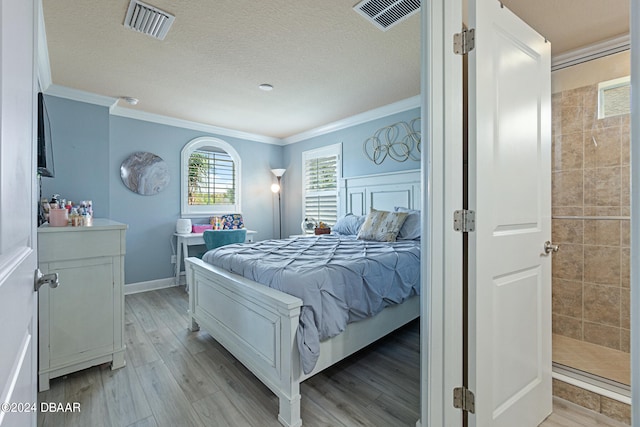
(183,241)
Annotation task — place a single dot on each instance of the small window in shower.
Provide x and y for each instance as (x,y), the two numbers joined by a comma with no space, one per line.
(614,97)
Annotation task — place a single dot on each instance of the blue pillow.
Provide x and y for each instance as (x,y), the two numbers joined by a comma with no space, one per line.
(411,229)
(348,225)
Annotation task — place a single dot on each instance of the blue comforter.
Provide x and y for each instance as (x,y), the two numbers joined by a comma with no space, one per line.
(339,279)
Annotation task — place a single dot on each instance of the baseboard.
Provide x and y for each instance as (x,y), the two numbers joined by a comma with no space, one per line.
(594,398)
(151,285)
(592,384)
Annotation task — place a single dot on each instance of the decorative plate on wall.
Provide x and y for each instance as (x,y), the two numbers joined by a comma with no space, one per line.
(145,173)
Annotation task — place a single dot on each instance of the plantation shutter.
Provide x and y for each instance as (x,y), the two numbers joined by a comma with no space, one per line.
(321,171)
(614,97)
(212,178)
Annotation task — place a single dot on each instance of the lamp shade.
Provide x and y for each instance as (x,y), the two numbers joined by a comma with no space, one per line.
(278,172)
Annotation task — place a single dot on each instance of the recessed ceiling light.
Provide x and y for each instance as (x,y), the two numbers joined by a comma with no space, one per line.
(266,87)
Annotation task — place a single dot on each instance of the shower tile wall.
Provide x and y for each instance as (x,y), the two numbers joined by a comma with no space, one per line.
(591,177)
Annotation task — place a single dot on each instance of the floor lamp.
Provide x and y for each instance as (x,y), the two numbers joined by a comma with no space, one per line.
(276,189)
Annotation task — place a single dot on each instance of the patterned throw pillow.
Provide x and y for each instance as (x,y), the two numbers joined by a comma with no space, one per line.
(382,226)
(232,221)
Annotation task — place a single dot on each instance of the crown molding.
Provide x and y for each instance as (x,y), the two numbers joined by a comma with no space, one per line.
(80,95)
(117,110)
(377,113)
(593,51)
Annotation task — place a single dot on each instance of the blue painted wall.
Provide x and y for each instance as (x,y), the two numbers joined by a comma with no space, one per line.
(80,138)
(354,162)
(90,145)
(152,219)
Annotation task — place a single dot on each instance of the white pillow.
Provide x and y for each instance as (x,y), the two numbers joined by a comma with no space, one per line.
(382,226)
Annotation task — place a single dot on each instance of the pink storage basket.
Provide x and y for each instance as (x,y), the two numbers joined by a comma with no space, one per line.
(58,217)
(199,228)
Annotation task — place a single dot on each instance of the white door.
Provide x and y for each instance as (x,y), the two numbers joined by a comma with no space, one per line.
(18,304)
(510,190)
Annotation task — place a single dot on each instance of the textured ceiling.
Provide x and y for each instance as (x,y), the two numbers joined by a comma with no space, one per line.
(324,60)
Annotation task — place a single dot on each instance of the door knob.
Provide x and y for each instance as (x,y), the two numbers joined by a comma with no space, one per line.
(43,279)
(550,247)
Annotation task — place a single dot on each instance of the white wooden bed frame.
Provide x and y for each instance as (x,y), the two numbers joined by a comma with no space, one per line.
(258,324)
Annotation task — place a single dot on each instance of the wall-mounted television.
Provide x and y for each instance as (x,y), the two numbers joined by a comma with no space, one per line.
(45,144)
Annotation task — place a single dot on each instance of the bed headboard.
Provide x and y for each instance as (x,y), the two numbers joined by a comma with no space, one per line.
(381,191)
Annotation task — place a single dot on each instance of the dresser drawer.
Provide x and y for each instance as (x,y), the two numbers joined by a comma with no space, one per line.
(79,245)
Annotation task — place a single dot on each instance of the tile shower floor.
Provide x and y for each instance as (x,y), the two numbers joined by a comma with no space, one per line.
(594,359)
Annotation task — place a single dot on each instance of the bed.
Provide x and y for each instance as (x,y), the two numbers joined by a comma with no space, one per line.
(259,324)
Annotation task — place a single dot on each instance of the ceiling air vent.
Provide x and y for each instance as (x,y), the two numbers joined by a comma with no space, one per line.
(384,14)
(148,20)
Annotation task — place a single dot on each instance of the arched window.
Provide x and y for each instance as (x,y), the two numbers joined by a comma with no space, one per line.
(210,178)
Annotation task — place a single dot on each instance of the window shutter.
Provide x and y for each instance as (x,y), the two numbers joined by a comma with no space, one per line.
(614,97)
(321,188)
(617,100)
(212,178)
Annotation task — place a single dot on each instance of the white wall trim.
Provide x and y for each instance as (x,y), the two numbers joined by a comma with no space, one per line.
(635,210)
(591,387)
(151,285)
(117,110)
(593,51)
(80,95)
(382,175)
(377,113)
(441,320)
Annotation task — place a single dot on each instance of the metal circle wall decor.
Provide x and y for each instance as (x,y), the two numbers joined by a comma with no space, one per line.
(145,173)
(399,141)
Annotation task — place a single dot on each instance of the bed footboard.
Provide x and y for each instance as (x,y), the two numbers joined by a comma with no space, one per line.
(258,326)
(255,323)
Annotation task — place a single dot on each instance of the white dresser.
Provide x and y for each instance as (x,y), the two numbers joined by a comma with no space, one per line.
(81,322)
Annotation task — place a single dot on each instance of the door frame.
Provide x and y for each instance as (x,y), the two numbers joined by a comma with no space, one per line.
(635,209)
(442,132)
(441,323)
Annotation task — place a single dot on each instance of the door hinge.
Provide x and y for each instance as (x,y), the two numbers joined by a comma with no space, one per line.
(464,399)
(464,221)
(464,41)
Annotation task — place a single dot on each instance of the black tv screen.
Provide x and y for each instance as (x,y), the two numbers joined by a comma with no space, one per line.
(45,147)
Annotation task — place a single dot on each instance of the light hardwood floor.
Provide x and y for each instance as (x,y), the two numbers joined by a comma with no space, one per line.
(177,378)
(567,414)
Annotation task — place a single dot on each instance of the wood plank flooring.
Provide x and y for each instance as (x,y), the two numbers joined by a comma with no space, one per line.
(175,377)
(567,414)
